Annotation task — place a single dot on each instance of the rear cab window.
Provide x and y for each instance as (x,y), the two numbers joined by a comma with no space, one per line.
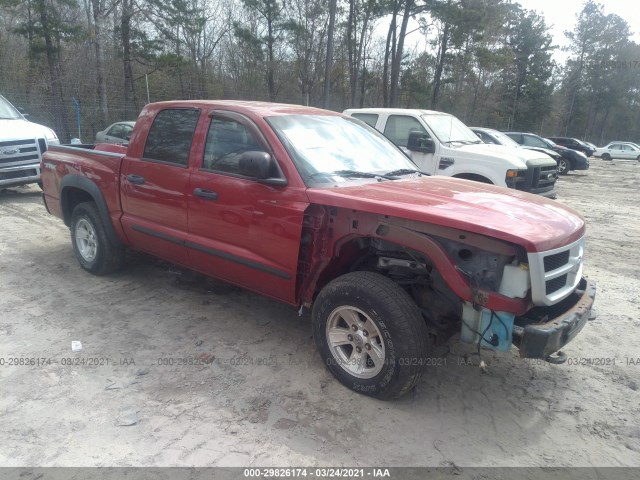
(170,136)
(369,118)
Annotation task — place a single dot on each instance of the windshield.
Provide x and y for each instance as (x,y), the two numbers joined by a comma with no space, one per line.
(504,139)
(449,129)
(8,111)
(332,149)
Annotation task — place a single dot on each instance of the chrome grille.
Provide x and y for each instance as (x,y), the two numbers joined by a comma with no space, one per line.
(555,273)
(538,179)
(14,153)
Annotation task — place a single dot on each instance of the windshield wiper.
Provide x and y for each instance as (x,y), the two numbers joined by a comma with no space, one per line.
(404,171)
(352,173)
(465,142)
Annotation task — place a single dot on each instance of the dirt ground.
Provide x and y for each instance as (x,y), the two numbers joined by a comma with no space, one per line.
(177,370)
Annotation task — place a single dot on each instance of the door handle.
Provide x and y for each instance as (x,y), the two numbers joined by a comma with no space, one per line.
(208,194)
(135,179)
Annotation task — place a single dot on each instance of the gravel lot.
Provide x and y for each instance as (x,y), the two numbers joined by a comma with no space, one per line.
(211,375)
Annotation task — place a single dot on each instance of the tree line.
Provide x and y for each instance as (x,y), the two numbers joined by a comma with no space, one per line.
(490,62)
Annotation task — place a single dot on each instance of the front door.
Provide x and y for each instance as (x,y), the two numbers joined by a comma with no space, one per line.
(154,187)
(241,230)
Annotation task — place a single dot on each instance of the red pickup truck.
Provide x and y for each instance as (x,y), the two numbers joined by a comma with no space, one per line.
(320,211)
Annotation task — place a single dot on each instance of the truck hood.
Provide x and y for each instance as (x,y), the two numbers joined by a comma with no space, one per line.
(20,129)
(504,152)
(531,221)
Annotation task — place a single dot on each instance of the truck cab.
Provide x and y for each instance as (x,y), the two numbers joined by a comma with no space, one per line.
(22,144)
(440,144)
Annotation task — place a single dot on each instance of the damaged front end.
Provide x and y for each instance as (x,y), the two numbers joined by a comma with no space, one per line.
(561,301)
(545,330)
(535,301)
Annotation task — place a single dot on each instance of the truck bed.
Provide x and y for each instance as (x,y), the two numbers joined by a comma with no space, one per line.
(100,163)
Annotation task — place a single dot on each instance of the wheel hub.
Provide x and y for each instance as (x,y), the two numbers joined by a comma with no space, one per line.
(86,240)
(355,342)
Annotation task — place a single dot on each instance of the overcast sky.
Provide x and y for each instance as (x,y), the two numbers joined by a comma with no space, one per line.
(561,15)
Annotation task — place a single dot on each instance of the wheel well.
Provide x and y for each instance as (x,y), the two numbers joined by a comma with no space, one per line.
(70,198)
(473,176)
(413,271)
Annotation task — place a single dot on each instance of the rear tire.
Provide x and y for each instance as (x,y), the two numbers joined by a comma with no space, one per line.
(91,244)
(563,166)
(370,334)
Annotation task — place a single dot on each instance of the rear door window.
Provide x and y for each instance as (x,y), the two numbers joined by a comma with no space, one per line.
(170,136)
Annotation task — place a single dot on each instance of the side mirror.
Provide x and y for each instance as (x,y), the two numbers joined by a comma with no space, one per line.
(255,164)
(420,142)
(260,165)
(22,112)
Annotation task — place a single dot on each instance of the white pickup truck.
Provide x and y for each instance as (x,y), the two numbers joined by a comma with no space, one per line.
(440,144)
(22,144)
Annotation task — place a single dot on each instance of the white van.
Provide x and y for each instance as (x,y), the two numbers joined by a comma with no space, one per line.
(440,144)
(22,144)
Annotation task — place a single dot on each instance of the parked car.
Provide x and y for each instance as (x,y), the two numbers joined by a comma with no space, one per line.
(571,159)
(440,144)
(626,150)
(591,146)
(22,144)
(573,144)
(320,211)
(118,132)
(489,135)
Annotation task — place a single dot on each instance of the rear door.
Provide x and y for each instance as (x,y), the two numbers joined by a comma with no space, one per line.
(154,187)
(243,231)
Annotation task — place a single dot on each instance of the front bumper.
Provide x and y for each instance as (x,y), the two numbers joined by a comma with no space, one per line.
(545,330)
(581,163)
(19,175)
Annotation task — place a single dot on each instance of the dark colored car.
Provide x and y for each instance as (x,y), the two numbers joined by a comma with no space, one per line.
(571,159)
(574,144)
(489,135)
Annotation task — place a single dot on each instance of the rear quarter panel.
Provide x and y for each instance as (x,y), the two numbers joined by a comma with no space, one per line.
(100,167)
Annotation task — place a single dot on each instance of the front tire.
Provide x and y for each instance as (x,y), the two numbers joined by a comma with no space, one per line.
(563,166)
(370,334)
(606,156)
(91,245)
